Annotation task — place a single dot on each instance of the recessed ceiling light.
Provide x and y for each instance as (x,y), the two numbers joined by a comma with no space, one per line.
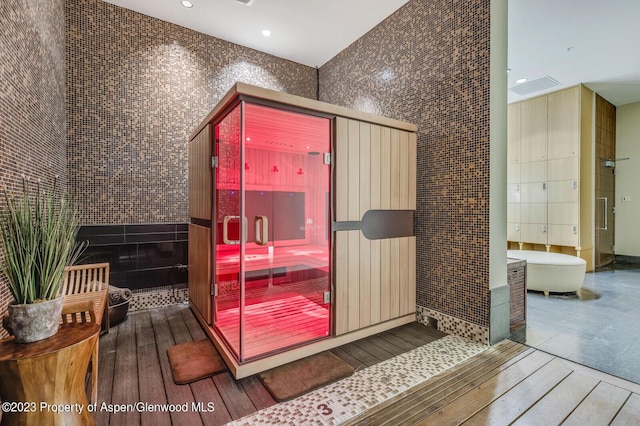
(521,80)
(186,3)
(266,33)
(245,2)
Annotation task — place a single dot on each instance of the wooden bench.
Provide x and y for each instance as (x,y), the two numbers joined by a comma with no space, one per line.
(86,288)
(84,283)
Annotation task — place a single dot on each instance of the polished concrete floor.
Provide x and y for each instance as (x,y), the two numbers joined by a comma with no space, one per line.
(600,329)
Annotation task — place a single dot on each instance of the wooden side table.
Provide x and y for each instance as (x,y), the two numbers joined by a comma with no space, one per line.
(46,379)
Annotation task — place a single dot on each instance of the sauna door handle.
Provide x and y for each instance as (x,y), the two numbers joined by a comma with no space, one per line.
(225,229)
(262,230)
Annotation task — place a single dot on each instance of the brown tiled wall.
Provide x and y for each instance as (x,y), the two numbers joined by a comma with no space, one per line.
(137,87)
(429,64)
(605,128)
(605,149)
(32,114)
(517,280)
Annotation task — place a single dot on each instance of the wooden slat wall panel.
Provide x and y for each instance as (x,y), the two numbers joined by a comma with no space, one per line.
(413,167)
(259,168)
(374,264)
(385,168)
(366,171)
(395,169)
(403,284)
(403,169)
(200,174)
(365,281)
(394,259)
(341,299)
(353,254)
(341,159)
(376,168)
(200,269)
(375,280)
(385,280)
(354,170)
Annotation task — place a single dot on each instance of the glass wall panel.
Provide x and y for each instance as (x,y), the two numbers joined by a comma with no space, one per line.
(227,203)
(272,242)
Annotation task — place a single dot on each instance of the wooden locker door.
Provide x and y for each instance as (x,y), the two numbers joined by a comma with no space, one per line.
(564,212)
(513,134)
(533,130)
(564,123)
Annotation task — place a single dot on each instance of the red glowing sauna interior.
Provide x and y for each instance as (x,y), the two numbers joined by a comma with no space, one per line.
(271,233)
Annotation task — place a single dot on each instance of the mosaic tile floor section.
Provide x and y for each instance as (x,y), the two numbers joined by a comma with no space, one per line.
(340,401)
(158,297)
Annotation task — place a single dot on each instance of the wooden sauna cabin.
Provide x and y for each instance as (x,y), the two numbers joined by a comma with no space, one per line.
(301,236)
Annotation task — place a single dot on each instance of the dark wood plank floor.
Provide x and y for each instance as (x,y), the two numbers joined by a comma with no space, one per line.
(512,384)
(134,368)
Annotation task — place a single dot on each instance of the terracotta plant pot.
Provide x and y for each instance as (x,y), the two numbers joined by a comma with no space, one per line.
(35,321)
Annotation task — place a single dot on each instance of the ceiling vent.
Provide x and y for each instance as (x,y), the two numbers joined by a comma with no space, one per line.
(534,86)
(245,2)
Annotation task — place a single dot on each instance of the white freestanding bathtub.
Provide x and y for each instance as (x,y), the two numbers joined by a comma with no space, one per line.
(551,272)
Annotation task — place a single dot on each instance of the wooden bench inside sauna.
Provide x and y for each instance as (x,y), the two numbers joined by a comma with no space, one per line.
(301,233)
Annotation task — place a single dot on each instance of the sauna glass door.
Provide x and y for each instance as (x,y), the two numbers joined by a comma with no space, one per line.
(275,231)
(605,219)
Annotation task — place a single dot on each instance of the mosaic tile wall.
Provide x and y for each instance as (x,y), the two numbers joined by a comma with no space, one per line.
(137,87)
(32,113)
(429,64)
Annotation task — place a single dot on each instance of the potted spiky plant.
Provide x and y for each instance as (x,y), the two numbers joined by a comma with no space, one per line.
(38,234)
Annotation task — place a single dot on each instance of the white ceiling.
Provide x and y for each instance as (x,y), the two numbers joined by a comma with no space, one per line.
(595,42)
(573,41)
(309,32)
